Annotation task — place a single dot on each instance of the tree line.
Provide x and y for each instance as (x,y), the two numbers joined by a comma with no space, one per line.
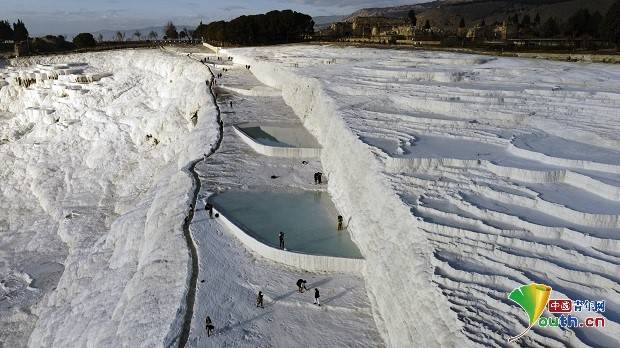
(17,32)
(269,28)
(581,24)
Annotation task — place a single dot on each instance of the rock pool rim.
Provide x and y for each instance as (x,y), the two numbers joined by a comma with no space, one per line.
(252,233)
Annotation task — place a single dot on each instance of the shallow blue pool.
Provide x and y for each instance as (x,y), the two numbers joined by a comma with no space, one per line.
(280,136)
(263,137)
(308,219)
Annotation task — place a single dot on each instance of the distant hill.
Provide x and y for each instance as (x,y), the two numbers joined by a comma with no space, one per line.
(448,12)
(324,21)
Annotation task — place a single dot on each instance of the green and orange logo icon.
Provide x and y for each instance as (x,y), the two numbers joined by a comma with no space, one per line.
(532,298)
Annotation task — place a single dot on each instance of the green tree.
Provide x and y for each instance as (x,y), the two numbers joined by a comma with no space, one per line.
(269,28)
(137,35)
(550,28)
(50,43)
(611,23)
(6,32)
(462,23)
(83,40)
(577,24)
(526,21)
(153,35)
(20,33)
(427,25)
(200,31)
(120,36)
(171,31)
(412,18)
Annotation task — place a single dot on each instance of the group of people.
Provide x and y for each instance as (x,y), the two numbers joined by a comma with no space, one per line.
(260,298)
(248,67)
(281,234)
(204,60)
(301,287)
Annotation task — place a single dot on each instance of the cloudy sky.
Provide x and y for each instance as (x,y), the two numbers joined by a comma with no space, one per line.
(71,16)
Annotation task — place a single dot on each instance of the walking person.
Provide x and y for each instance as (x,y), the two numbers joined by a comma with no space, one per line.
(259,300)
(318,178)
(281,238)
(316,297)
(340,219)
(209,209)
(231,104)
(209,326)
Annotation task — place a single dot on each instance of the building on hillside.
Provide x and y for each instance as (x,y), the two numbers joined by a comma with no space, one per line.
(482,33)
(376,26)
(380,30)
(21,48)
(505,31)
(341,29)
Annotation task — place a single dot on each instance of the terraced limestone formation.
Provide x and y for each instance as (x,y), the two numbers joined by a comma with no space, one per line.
(466,177)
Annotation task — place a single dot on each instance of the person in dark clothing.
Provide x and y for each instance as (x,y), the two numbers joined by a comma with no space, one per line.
(209,209)
(318,178)
(316,297)
(231,104)
(281,238)
(340,227)
(209,326)
(259,300)
(301,285)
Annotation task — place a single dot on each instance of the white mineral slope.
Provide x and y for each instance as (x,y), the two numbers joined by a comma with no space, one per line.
(93,197)
(230,274)
(465,177)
